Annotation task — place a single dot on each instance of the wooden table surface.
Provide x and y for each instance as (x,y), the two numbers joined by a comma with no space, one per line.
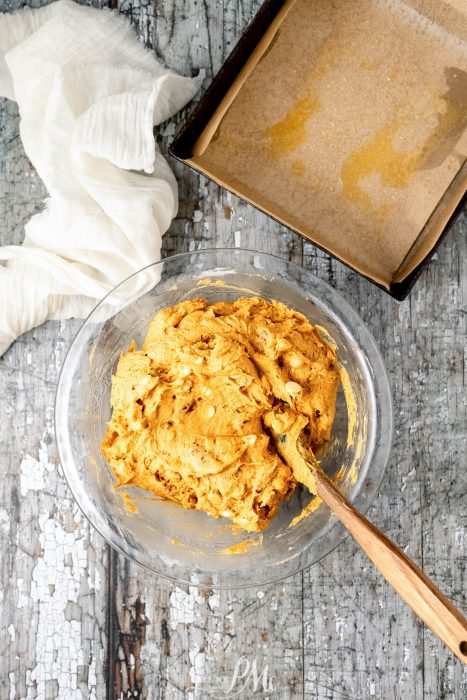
(80,621)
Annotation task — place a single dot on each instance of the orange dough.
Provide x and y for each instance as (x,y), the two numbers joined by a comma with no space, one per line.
(191,408)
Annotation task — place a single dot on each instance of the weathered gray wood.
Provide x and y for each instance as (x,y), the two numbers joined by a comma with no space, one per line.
(53,638)
(194,637)
(52,565)
(337,631)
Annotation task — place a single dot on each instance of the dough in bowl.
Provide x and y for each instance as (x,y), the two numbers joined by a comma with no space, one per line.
(191,407)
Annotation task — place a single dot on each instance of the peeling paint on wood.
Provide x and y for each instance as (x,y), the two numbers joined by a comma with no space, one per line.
(52,565)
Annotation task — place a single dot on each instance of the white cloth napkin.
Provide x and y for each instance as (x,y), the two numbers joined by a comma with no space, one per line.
(89,95)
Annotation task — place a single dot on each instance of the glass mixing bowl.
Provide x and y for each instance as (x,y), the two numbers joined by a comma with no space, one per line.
(189,546)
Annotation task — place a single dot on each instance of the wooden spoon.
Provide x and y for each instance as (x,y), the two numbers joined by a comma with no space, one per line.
(432,606)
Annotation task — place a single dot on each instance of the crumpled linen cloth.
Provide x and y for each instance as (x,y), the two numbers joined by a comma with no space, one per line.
(89,95)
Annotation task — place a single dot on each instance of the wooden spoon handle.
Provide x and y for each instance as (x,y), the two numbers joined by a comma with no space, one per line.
(432,606)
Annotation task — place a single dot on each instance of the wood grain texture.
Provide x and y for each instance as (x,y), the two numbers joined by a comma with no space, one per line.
(52,565)
(336,631)
(407,579)
(53,627)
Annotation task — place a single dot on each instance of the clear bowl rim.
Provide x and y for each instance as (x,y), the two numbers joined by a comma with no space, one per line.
(383,380)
